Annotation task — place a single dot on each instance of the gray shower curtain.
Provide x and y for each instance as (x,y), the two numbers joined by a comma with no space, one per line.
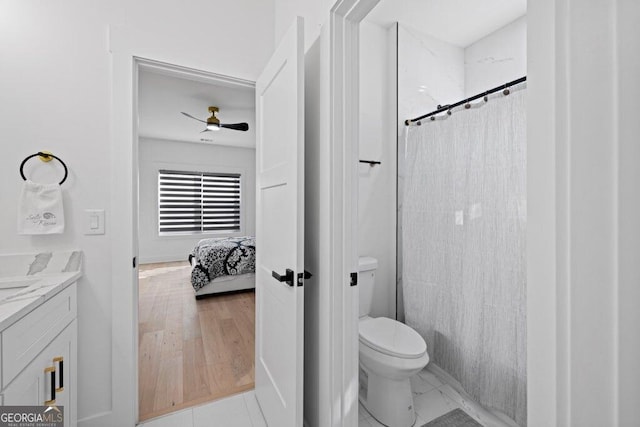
(463,246)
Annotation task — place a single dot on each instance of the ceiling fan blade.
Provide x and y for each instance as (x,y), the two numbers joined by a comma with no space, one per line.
(235,126)
(194,118)
(206,130)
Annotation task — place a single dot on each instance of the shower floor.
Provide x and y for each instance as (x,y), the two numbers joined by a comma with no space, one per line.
(434,397)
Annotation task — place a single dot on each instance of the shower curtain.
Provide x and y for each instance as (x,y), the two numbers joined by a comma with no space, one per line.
(463,245)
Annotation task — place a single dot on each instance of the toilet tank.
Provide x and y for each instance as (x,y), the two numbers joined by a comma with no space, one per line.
(366,280)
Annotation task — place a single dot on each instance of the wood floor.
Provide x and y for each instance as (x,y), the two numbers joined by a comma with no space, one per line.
(190,351)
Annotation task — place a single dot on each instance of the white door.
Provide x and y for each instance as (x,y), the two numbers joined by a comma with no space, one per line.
(280,232)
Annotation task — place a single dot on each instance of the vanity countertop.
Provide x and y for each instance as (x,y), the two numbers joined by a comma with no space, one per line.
(28,280)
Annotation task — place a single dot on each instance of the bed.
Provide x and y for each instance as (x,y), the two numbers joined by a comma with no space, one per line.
(223,265)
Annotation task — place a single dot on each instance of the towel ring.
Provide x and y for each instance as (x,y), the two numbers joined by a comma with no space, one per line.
(44,157)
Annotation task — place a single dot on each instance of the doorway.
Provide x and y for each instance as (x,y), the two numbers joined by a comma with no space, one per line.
(196,200)
(191,351)
(335,258)
(414,65)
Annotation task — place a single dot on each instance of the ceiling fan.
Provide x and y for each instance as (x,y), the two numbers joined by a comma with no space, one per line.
(213,123)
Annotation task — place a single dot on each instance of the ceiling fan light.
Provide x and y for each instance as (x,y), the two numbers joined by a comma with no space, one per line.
(213,126)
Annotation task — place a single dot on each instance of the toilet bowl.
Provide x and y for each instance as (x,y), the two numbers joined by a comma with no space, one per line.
(390,353)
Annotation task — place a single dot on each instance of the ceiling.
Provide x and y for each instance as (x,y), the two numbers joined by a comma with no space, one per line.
(162,97)
(458,22)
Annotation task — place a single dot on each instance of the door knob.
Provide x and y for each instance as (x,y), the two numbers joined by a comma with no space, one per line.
(287,277)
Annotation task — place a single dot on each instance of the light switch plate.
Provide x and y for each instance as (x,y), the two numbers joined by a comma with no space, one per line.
(93,221)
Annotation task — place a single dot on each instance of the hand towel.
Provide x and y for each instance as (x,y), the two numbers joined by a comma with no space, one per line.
(40,209)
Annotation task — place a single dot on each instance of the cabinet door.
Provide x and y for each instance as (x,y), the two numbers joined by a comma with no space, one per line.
(28,387)
(62,356)
(33,385)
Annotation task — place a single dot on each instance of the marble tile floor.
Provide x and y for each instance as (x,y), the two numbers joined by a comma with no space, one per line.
(432,398)
(240,410)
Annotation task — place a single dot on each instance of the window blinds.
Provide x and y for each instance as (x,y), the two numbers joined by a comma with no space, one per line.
(198,202)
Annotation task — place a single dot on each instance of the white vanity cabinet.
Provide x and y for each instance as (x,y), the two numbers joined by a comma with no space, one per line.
(39,353)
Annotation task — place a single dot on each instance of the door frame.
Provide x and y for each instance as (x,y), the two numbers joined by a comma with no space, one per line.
(344,26)
(131,51)
(547,301)
(130,48)
(177,71)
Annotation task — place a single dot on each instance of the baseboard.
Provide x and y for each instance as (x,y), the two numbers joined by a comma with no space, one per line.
(162,258)
(468,402)
(445,377)
(102,419)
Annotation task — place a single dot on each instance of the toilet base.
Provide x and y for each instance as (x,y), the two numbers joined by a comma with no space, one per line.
(390,401)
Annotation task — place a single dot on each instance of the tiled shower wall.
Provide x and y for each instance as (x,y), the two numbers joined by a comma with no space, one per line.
(432,72)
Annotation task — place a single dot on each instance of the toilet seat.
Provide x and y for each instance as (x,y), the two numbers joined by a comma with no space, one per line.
(391,337)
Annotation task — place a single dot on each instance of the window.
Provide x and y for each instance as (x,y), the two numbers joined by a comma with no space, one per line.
(198,202)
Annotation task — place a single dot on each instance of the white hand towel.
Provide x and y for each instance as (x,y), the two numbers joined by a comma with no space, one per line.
(40,209)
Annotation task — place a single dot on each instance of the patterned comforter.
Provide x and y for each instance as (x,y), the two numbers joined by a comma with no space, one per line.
(222,257)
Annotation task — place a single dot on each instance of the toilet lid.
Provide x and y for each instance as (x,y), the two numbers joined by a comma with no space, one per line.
(391,337)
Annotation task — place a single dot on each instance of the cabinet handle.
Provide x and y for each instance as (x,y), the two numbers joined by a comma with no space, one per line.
(52,371)
(60,362)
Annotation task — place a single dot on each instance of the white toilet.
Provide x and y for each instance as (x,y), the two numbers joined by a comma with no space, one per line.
(390,353)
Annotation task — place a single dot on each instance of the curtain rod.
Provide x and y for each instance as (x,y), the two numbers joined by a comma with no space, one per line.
(442,109)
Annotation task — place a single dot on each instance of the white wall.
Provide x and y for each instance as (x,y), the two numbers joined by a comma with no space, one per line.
(314,12)
(628,292)
(317,296)
(156,154)
(430,73)
(377,184)
(433,72)
(496,59)
(546,367)
(56,95)
(583,235)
